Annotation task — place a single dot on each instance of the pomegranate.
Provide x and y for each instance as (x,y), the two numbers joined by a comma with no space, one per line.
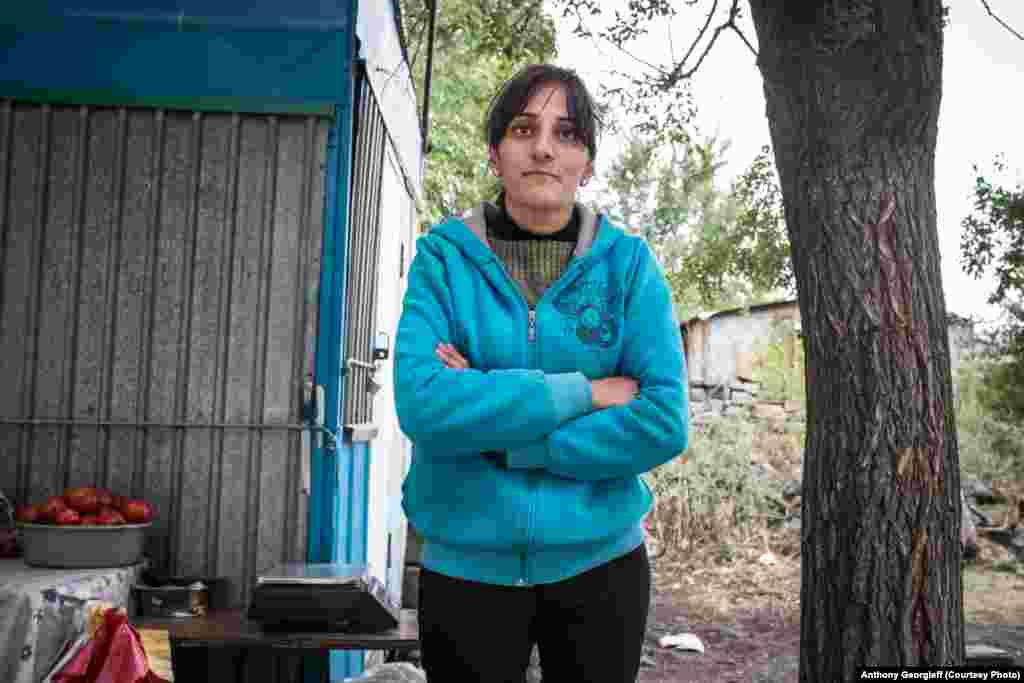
(137,512)
(105,497)
(109,517)
(52,506)
(82,499)
(67,517)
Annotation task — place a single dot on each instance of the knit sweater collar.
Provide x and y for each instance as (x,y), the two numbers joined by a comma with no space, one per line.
(597,235)
(501,225)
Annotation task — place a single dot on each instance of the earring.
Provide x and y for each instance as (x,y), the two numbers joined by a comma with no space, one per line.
(583,183)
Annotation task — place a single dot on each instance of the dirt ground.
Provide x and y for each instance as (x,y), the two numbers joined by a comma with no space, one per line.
(747,612)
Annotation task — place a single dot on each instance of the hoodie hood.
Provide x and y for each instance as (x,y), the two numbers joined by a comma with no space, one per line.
(469,233)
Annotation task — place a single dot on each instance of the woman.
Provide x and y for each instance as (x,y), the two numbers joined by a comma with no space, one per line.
(538,371)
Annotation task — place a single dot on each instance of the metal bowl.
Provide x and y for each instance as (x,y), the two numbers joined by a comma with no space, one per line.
(71,546)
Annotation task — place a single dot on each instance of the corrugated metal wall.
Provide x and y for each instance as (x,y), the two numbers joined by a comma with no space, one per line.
(159,280)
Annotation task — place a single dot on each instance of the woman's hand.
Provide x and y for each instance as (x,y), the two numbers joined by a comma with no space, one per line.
(451,357)
(613,391)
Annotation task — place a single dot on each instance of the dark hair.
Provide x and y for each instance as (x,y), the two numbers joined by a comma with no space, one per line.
(513,97)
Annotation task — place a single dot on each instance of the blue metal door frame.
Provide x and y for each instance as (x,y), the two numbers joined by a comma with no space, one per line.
(339,470)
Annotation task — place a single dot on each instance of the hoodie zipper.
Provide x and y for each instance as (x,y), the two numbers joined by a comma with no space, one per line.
(531,338)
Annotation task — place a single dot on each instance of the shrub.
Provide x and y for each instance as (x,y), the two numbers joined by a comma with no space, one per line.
(708,493)
(991,445)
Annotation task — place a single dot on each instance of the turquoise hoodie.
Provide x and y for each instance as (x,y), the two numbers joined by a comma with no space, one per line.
(570,498)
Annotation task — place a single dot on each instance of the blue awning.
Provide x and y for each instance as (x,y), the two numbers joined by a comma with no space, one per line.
(252,55)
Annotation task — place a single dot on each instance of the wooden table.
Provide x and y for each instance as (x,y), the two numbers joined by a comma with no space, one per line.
(225,646)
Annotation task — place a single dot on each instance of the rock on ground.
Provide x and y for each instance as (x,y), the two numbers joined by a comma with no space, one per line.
(393,672)
(778,670)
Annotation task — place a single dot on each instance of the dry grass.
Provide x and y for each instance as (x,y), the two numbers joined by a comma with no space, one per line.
(759,571)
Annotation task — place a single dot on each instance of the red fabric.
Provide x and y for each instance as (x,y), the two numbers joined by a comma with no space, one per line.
(114,655)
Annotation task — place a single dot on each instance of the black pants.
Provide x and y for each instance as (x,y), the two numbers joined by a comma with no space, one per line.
(587,628)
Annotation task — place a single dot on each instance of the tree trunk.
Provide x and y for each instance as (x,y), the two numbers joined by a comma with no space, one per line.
(853,90)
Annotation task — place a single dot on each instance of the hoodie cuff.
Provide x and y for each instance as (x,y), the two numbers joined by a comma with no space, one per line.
(532,456)
(570,392)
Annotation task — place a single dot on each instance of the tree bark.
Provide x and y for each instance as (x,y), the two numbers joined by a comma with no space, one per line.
(853,90)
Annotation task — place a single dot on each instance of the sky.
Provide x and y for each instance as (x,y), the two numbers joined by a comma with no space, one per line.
(980,115)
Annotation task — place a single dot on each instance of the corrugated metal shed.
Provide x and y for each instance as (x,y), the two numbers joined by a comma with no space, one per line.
(159,300)
(721,347)
(174,245)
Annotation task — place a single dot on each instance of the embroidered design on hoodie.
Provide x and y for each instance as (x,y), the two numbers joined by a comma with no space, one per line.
(589,311)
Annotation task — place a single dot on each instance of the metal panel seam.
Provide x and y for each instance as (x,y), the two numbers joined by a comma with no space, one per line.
(113,288)
(259,399)
(78,219)
(187,297)
(34,305)
(148,320)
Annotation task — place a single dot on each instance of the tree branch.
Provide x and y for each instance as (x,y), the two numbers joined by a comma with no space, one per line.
(734,11)
(700,35)
(745,41)
(671,46)
(1003,23)
(642,61)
